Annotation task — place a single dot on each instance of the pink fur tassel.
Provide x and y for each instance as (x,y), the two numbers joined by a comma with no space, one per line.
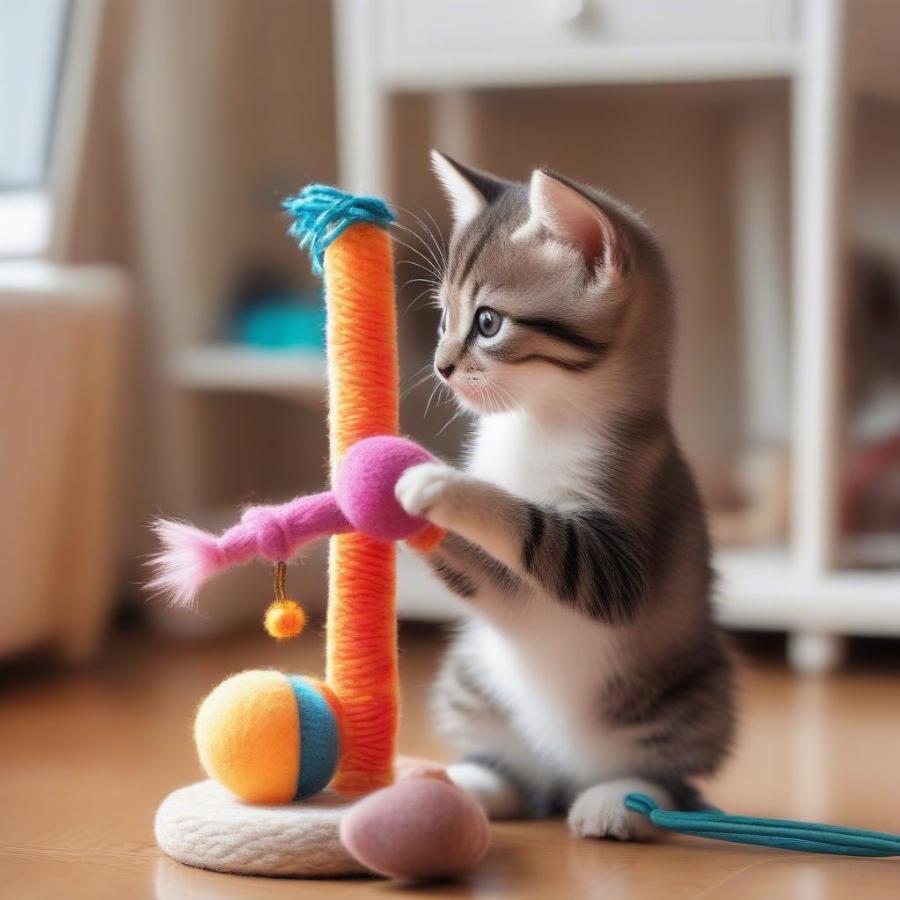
(190,557)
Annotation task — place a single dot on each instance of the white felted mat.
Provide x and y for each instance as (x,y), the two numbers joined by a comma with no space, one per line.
(204,825)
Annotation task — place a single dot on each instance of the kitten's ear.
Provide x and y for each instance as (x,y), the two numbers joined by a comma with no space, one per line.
(575,219)
(468,190)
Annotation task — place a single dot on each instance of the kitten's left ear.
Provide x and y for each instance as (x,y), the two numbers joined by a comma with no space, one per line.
(575,219)
(468,190)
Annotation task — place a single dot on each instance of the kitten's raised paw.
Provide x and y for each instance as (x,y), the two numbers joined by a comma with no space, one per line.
(421,488)
(600,811)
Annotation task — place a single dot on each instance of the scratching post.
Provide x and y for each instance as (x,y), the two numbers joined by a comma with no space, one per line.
(361,650)
(283,740)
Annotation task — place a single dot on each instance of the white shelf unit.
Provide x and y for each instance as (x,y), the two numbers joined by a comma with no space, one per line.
(387,48)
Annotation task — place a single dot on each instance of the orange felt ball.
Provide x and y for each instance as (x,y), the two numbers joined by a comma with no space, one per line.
(247,733)
(284,619)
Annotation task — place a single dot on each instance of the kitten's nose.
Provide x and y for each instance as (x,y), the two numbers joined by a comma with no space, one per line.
(447,371)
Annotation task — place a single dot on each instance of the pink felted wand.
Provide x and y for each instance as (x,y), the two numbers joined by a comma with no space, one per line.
(362,500)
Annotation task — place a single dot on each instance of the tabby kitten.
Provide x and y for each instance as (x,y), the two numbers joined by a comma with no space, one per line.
(589,666)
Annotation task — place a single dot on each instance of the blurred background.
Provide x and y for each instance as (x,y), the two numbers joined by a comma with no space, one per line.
(161,354)
(161,337)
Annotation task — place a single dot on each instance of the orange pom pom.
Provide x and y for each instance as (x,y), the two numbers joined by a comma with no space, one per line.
(284,619)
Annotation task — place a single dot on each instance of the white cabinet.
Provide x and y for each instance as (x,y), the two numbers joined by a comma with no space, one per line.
(450,47)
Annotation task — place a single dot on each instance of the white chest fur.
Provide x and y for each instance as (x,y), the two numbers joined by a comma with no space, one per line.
(550,670)
(547,661)
(512,452)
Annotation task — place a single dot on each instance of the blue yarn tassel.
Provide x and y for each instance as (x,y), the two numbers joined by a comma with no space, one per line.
(782,834)
(322,214)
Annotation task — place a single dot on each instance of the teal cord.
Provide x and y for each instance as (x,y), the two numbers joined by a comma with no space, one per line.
(783,834)
(322,213)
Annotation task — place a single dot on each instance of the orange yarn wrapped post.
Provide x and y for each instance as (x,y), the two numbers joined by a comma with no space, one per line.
(347,734)
(361,650)
(277,739)
(347,239)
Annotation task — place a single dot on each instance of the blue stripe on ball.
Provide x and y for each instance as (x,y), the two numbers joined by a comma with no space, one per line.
(319,739)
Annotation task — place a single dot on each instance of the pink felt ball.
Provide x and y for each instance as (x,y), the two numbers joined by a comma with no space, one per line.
(419,828)
(365,486)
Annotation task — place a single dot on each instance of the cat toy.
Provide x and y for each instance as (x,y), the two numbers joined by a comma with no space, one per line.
(271,738)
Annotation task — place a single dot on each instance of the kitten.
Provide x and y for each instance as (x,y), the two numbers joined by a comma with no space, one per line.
(590,666)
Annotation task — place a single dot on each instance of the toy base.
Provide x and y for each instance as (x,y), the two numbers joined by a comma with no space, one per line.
(203,825)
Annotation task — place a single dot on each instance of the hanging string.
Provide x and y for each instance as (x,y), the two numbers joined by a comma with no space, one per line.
(279,580)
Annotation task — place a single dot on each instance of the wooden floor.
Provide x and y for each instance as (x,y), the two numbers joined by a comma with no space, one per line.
(85,757)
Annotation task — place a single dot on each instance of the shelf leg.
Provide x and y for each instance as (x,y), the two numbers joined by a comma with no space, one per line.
(761,217)
(820,148)
(815,652)
(362,106)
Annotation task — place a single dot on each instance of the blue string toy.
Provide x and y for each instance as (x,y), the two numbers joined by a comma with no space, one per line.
(782,834)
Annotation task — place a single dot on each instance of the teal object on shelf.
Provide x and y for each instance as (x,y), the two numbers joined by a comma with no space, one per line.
(282,325)
(781,834)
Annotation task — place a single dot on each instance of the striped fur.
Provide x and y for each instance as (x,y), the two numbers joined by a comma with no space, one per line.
(577,533)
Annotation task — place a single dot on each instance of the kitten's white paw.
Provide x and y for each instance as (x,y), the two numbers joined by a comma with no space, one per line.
(600,810)
(422,487)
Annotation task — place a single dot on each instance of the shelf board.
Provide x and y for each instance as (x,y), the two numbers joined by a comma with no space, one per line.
(234,367)
(759,589)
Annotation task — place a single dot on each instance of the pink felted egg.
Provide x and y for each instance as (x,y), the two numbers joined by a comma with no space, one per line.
(365,486)
(419,828)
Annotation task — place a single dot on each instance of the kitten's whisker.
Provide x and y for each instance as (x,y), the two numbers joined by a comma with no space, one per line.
(427,281)
(421,369)
(443,243)
(428,263)
(438,387)
(425,266)
(508,397)
(414,387)
(418,265)
(436,235)
(438,244)
(428,292)
(450,422)
(438,257)
(424,245)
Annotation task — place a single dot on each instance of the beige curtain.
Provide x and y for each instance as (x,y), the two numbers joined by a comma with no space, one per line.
(61,335)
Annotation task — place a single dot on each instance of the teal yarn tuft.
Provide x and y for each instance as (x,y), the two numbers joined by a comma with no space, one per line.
(322,213)
(782,834)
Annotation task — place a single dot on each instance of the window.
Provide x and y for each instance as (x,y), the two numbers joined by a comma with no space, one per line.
(31,45)
(32,40)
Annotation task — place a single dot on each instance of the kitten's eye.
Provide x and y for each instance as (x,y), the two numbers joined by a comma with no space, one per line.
(489,321)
